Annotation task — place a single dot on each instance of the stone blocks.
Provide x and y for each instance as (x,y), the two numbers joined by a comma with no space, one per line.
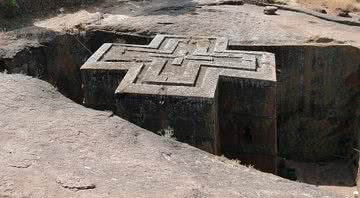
(222,101)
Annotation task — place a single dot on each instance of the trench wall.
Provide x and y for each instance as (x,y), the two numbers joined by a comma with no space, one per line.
(188,119)
(247,121)
(59,58)
(317,92)
(33,6)
(318,98)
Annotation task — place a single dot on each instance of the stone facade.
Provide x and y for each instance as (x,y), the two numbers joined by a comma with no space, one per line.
(222,101)
(318,100)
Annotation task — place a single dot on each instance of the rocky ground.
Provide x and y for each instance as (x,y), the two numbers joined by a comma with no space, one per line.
(246,23)
(53,147)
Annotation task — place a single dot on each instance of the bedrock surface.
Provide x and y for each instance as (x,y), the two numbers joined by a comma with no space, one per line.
(53,147)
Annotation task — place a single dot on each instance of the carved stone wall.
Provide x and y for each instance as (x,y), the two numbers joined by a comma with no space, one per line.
(318,100)
(206,94)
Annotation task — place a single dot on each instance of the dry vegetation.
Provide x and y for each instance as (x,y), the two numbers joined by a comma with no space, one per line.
(350,5)
(333,4)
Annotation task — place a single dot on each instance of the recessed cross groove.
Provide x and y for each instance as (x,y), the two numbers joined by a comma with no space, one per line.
(195,86)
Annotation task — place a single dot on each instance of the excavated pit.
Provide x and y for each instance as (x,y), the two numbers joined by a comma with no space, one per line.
(318,96)
(59,58)
(317,111)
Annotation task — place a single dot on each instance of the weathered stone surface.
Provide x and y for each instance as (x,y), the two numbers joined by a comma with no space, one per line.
(231,2)
(270,10)
(74,182)
(25,7)
(317,100)
(296,28)
(123,160)
(320,10)
(343,12)
(220,100)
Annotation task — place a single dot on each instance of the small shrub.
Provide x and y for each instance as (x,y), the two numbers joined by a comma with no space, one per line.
(250,166)
(167,134)
(230,162)
(351,5)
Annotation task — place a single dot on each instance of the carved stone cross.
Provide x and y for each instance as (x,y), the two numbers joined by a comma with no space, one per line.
(220,100)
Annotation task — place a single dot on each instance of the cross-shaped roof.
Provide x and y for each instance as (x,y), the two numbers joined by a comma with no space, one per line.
(181,65)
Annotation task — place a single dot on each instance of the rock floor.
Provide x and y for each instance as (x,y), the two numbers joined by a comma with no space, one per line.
(53,147)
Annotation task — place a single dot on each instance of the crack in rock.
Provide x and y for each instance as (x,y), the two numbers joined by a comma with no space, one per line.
(23,165)
(74,182)
(224,2)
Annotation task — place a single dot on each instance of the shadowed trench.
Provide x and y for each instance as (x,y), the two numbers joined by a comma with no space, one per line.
(317,99)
